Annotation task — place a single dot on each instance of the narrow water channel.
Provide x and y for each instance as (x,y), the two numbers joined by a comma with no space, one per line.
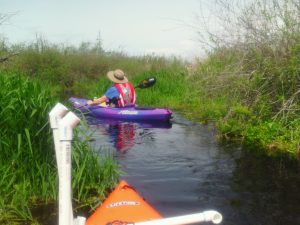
(180,168)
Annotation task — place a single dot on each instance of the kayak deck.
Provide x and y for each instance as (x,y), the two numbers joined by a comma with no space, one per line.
(126,113)
(123,205)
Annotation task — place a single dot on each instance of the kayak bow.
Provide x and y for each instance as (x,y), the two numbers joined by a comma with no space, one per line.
(124,205)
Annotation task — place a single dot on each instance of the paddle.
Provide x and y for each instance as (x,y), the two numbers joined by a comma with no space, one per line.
(148,82)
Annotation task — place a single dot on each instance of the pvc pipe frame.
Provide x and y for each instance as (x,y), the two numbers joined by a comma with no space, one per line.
(55,115)
(62,127)
(66,126)
(206,216)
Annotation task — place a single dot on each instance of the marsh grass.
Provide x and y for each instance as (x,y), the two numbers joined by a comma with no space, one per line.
(25,157)
(94,174)
(28,168)
(253,69)
(72,70)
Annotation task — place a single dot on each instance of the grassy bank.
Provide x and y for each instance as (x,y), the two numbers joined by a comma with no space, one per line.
(28,167)
(249,84)
(74,70)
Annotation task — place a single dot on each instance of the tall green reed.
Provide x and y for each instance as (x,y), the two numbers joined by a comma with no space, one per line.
(27,162)
(24,144)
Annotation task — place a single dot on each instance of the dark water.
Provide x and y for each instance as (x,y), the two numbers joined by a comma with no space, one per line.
(182,169)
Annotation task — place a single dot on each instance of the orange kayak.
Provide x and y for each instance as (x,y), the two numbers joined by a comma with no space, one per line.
(123,205)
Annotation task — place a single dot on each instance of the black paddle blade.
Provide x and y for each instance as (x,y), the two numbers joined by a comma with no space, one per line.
(147,83)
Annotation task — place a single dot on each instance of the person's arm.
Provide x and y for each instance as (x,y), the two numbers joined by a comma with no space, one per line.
(97,101)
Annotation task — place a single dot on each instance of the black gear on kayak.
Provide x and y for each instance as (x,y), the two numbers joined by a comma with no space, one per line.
(113,102)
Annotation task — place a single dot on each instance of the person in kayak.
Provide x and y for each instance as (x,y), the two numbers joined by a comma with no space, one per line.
(121,94)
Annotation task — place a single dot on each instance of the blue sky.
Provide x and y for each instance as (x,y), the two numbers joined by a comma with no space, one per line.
(136,27)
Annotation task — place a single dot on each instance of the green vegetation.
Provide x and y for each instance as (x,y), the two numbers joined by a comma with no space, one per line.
(249,84)
(71,70)
(28,168)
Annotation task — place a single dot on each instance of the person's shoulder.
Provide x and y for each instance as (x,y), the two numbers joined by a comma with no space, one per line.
(112,92)
(112,88)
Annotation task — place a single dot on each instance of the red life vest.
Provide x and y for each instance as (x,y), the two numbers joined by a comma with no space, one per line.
(127,94)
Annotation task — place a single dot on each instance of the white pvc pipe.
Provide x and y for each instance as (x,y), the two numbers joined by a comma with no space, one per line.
(66,126)
(206,216)
(80,220)
(55,115)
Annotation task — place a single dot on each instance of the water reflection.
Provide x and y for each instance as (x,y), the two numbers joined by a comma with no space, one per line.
(122,135)
(125,134)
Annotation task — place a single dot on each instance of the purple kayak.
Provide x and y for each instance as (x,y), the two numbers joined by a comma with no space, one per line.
(132,113)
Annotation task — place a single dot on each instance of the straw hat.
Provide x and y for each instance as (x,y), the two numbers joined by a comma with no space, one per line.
(117,76)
